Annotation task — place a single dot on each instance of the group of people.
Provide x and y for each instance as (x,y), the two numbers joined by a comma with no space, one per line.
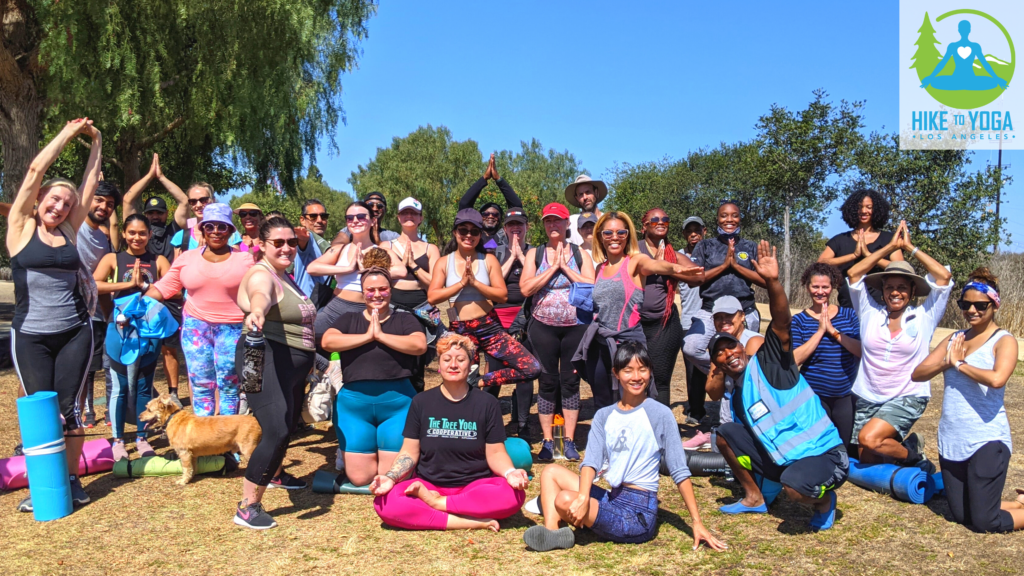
(595,301)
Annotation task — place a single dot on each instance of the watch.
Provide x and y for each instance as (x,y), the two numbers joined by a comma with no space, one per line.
(958,364)
(414,269)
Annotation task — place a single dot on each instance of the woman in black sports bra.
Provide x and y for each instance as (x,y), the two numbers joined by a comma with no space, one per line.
(52,295)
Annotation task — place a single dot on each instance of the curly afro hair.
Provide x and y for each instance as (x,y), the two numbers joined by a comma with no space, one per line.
(376,258)
(821,269)
(879,212)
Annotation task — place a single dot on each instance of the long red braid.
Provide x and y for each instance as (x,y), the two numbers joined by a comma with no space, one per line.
(671,284)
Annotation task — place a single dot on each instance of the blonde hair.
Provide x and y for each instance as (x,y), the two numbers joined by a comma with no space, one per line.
(632,248)
(58,183)
(453,340)
(202,185)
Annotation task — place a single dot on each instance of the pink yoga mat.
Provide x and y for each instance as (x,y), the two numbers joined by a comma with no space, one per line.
(97,456)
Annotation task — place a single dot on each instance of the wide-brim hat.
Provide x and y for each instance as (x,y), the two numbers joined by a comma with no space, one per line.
(898,268)
(600,190)
(218,212)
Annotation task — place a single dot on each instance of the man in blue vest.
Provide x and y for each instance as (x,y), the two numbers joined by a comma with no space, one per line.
(780,432)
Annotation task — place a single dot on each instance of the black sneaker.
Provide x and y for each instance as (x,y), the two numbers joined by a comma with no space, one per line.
(547,451)
(286,481)
(25,505)
(78,495)
(523,432)
(254,516)
(914,444)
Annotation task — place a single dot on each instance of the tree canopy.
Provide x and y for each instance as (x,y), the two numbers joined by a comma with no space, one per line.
(311,186)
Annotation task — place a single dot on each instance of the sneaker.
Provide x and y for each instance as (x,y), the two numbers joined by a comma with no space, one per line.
(533,506)
(926,465)
(571,453)
(691,421)
(254,516)
(825,521)
(243,405)
(702,441)
(78,495)
(19,450)
(143,448)
(286,481)
(523,432)
(119,451)
(173,393)
(541,539)
(90,420)
(914,444)
(547,451)
(25,505)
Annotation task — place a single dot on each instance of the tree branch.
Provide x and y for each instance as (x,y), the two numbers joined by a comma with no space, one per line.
(159,136)
(113,161)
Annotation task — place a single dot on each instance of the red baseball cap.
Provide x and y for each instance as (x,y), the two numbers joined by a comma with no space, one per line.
(555,209)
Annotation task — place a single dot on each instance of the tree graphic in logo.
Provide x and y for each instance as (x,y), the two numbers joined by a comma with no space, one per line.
(965,77)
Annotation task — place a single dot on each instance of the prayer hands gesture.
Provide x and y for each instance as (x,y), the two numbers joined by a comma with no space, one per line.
(492,170)
(381,485)
(359,260)
(375,328)
(825,324)
(137,280)
(516,250)
(767,263)
(660,254)
(518,479)
(956,351)
(468,279)
(730,255)
(902,237)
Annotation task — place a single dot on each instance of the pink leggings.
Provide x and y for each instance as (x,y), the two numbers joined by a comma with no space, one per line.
(486,498)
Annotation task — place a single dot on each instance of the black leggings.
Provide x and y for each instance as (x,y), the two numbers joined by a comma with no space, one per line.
(275,406)
(974,488)
(663,344)
(554,346)
(599,373)
(37,358)
(840,412)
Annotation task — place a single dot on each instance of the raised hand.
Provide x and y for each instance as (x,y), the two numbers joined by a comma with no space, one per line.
(156,165)
(767,264)
(660,254)
(154,168)
(492,167)
(89,130)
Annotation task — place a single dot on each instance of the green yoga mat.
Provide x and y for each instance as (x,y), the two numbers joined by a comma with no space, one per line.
(160,466)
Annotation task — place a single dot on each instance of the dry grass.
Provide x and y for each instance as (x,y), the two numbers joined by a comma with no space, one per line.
(151,525)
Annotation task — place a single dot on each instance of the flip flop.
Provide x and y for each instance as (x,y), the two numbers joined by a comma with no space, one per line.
(821,521)
(1020,496)
(739,508)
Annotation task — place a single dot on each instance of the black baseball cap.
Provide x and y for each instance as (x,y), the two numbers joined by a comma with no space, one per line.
(516,214)
(155,204)
(376,195)
(719,337)
(469,216)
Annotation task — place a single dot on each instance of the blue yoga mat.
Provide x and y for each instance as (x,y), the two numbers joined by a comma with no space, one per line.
(45,456)
(907,484)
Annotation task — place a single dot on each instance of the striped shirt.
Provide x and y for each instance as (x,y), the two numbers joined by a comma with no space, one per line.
(830,369)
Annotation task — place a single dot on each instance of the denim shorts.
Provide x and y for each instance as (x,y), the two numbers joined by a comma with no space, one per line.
(901,413)
(625,515)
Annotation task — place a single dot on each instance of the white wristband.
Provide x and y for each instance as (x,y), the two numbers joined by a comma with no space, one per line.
(509,471)
(912,252)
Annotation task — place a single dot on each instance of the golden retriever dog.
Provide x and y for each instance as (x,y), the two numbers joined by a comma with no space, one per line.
(192,436)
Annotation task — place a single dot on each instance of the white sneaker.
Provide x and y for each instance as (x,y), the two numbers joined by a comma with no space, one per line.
(533,506)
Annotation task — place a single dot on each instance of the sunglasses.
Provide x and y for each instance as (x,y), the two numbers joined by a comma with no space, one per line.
(468,231)
(377,291)
(376,205)
(199,201)
(657,220)
(211,227)
(278,242)
(491,215)
(965,305)
(615,233)
(249,213)
(354,217)
(317,215)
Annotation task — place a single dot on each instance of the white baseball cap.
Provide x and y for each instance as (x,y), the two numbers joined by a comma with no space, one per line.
(410,202)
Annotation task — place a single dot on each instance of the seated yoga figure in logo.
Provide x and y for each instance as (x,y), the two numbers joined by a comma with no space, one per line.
(963,77)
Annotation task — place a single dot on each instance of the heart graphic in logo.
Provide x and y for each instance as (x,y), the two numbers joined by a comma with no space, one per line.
(964,51)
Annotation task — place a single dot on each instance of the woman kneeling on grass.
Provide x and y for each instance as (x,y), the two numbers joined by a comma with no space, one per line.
(454,440)
(630,436)
(974,433)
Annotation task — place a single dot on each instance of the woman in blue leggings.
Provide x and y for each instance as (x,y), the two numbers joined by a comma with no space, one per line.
(378,350)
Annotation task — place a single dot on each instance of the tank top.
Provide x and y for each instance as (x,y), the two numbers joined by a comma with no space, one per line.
(551,304)
(972,414)
(655,291)
(617,299)
(469,293)
(126,264)
(290,321)
(351,281)
(46,295)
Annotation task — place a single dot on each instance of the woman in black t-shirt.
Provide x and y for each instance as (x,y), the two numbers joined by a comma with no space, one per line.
(378,352)
(865,212)
(454,441)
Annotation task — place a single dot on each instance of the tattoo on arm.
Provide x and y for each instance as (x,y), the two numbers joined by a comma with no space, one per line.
(401,468)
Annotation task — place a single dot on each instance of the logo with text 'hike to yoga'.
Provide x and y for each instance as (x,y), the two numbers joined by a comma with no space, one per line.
(956,78)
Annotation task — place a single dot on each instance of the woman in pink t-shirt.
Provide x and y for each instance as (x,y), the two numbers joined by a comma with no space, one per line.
(212,320)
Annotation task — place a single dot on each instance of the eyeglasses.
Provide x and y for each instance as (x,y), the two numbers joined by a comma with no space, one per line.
(491,215)
(965,305)
(199,201)
(278,242)
(657,220)
(211,227)
(354,217)
(468,231)
(317,215)
(377,291)
(615,233)
(249,213)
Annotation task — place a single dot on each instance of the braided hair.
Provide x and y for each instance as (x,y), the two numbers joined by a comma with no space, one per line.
(671,284)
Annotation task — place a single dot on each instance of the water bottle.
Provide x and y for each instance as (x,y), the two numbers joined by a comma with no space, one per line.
(558,434)
(252,370)
(334,375)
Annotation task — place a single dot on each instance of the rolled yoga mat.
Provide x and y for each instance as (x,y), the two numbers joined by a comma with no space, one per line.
(97,456)
(907,484)
(702,464)
(42,434)
(160,466)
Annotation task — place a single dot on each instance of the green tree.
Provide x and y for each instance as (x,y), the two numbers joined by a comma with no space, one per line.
(944,201)
(927,55)
(311,186)
(256,82)
(802,154)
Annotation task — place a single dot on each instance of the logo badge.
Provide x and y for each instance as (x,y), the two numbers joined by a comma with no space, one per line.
(742,255)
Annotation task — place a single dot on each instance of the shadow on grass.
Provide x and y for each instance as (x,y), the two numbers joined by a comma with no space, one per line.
(795,517)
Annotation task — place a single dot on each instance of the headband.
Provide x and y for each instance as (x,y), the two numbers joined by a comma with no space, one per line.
(377,270)
(984,289)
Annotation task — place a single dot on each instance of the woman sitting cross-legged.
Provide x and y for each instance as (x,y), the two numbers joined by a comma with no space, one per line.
(454,441)
(630,437)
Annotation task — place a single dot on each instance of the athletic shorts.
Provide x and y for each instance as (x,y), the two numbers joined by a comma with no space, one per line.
(174,307)
(811,476)
(900,413)
(625,515)
(369,415)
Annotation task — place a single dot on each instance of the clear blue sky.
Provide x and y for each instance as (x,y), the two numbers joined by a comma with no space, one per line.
(614,82)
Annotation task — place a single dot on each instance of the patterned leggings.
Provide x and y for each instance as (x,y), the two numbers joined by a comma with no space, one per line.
(210,357)
(488,335)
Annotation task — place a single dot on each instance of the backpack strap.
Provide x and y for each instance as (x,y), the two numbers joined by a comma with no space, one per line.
(186,234)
